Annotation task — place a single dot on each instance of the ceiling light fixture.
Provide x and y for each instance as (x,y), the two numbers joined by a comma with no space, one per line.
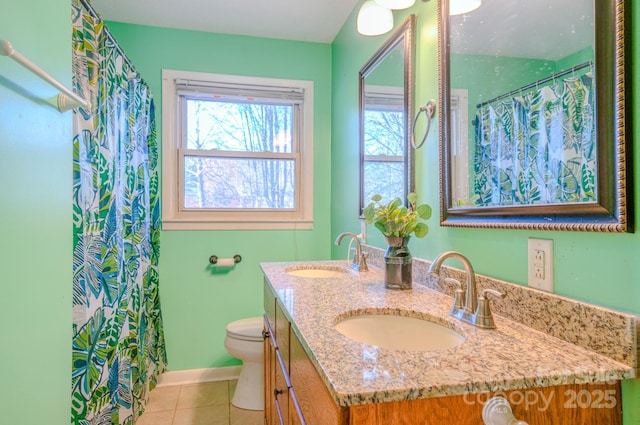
(395,4)
(374,19)
(459,7)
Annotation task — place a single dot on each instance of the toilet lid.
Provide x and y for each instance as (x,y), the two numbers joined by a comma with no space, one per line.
(247,329)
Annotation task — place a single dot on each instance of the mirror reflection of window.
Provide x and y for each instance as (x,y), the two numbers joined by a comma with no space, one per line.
(385,103)
(384,142)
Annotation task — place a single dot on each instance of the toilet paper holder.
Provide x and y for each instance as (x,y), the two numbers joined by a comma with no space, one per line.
(214,259)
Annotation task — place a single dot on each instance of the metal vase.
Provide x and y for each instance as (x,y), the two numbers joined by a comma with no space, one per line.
(397,264)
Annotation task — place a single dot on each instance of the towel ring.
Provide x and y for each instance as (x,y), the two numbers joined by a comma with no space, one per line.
(429,109)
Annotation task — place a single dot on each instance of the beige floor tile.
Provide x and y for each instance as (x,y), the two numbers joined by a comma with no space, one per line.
(156,418)
(200,395)
(197,404)
(163,398)
(245,417)
(208,415)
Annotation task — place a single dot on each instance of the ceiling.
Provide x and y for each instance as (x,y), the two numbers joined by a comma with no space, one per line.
(543,29)
(302,20)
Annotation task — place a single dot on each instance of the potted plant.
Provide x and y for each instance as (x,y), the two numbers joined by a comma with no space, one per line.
(397,223)
(396,220)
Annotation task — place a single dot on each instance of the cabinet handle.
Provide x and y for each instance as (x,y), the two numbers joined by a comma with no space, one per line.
(265,334)
(277,392)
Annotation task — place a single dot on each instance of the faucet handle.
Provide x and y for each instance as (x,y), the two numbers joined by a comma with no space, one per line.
(493,292)
(458,296)
(362,265)
(483,316)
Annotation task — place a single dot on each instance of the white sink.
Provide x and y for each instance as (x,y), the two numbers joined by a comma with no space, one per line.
(399,332)
(315,271)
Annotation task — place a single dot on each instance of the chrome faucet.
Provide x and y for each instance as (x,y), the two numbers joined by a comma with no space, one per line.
(467,306)
(359,262)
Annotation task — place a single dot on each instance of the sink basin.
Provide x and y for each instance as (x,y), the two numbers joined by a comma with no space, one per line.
(315,271)
(399,332)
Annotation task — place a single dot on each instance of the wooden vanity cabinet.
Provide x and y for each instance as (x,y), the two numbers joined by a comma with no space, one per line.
(296,395)
(280,401)
(578,404)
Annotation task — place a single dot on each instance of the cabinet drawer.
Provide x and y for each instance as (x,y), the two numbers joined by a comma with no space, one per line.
(282,333)
(269,301)
(269,333)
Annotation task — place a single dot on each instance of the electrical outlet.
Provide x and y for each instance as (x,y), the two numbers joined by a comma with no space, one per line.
(540,260)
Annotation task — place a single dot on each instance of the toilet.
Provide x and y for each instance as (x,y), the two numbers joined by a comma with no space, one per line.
(244,341)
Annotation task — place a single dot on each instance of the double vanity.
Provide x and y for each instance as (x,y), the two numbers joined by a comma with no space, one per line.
(342,349)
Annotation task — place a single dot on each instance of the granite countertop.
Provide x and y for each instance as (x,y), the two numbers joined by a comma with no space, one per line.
(512,356)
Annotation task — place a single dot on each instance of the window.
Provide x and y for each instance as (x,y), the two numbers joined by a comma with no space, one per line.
(237,152)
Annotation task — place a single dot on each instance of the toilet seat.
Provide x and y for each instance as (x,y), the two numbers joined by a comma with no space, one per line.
(246,329)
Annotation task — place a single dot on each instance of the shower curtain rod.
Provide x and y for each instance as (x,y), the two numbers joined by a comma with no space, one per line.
(536,83)
(94,14)
(66,99)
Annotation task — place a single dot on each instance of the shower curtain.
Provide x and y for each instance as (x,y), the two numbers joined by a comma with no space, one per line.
(118,342)
(537,147)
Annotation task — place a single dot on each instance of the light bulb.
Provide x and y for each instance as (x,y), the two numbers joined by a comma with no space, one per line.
(374,19)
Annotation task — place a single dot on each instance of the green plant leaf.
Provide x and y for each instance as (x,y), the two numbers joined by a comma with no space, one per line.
(369,213)
(395,219)
(424,211)
(395,203)
(421,230)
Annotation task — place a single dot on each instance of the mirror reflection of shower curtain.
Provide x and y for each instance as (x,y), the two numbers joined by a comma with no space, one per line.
(538,147)
(118,341)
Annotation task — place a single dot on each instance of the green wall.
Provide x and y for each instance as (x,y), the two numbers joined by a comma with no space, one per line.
(196,302)
(35,168)
(35,218)
(599,268)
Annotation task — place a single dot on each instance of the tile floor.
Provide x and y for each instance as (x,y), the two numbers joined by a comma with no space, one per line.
(197,404)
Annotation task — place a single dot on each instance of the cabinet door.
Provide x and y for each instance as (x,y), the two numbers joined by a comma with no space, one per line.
(270,365)
(316,404)
(281,392)
(282,334)
(295,414)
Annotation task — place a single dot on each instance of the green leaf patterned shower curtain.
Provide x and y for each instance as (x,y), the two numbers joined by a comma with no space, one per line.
(537,147)
(118,341)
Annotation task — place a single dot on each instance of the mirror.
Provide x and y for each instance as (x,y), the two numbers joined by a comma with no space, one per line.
(533,116)
(386,100)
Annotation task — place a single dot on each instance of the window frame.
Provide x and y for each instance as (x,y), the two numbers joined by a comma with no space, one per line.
(175,217)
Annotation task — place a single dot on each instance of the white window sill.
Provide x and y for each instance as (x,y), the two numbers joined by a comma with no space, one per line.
(187,224)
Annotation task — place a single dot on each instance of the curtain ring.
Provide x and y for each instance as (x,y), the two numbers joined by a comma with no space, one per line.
(429,109)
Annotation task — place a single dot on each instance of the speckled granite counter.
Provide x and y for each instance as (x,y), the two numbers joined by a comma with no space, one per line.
(512,356)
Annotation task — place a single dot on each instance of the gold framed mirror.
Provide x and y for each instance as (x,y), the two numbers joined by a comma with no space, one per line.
(533,130)
(385,104)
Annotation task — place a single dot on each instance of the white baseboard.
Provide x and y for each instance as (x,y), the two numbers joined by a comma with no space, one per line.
(197,376)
